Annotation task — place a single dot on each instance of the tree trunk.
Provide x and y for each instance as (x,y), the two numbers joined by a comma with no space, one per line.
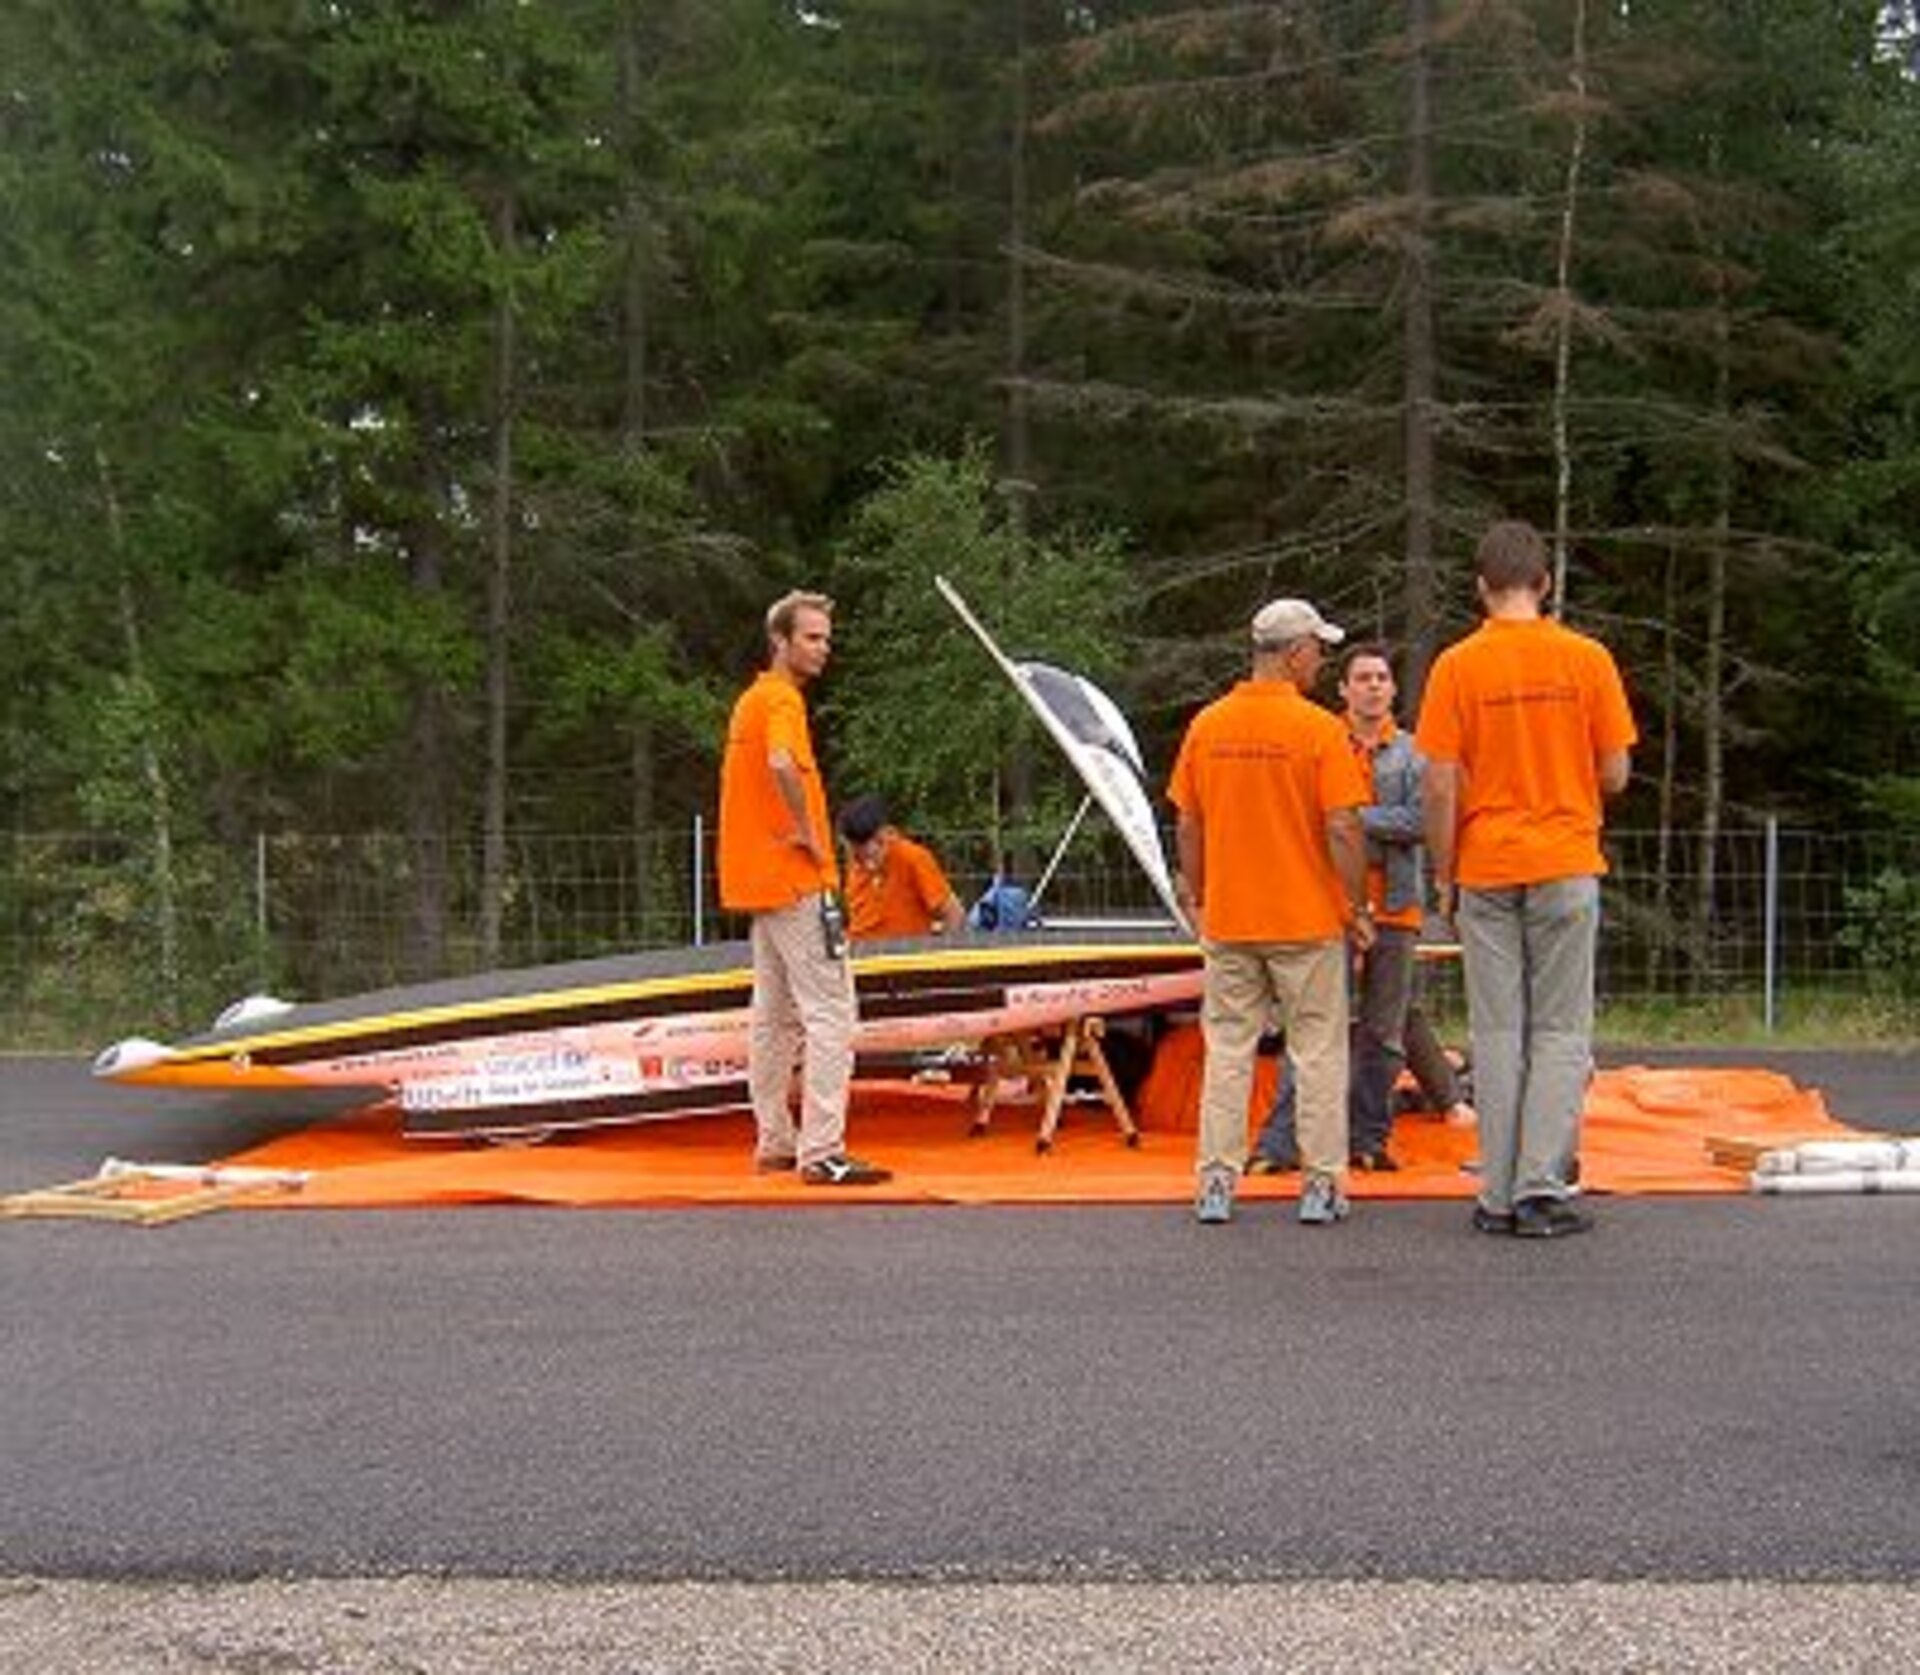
(1019,460)
(1418,589)
(166,883)
(1563,313)
(634,228)
(1713,658)
(634,327)
(643,814)
(493,856)
(1661,935)
(426,801)
(429,744)
(1018,771)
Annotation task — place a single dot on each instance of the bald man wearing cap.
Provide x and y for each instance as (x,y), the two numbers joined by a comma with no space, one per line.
(1273,873)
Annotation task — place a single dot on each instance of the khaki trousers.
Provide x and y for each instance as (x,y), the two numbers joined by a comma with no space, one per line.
(1302,986)
(802,999)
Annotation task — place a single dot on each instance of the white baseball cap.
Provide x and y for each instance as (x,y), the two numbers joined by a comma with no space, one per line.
(1281,620)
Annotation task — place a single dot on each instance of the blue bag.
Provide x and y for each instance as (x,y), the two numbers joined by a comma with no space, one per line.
(1003,906)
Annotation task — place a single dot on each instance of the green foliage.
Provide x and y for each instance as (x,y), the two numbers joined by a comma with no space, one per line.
(125,730)
(357,641)
(1886,597)
(634,683)
(1871,505)
(259,261)
(918,712)
(1804,1016)
(1883,932)
(86,945)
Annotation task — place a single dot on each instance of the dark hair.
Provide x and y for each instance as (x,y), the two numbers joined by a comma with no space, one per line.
(1365,648)
(1511,554)
(862,817)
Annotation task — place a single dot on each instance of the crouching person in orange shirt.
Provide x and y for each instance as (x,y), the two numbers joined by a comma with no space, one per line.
(1273,874)
(777,864)
(894,885)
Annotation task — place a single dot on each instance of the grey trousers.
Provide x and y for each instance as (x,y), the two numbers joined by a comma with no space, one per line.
(1528,953)
(1377,1050)
(1427,1059)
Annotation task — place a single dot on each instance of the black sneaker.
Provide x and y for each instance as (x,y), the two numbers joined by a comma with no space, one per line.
(1262,1164)
(1491,1221)
(1379,1161)
(1549,1218)
(842,1170)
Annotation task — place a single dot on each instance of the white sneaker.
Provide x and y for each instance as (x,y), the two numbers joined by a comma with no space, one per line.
(1213,1204)
(1322,1202)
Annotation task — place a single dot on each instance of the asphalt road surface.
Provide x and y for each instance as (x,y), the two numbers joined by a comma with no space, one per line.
(1104,1405)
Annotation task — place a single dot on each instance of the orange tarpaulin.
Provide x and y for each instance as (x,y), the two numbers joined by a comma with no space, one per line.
(1646,1132)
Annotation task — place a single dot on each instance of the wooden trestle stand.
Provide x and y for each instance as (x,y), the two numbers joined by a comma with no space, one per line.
(1052,1060)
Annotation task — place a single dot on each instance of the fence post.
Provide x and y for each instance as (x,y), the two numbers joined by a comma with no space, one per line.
(699,879)
(1771,936)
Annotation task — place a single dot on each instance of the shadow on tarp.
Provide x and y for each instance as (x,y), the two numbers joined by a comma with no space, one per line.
(1646,1132)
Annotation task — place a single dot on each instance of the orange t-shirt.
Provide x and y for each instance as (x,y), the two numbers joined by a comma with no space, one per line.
(1262,768)
(1526,708)
(760,867)
(900,896)
(1406,918)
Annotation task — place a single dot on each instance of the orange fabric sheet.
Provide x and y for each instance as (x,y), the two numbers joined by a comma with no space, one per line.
(1646,1132)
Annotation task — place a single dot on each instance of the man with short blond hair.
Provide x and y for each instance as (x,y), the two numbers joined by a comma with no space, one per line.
(777,864)
(1273,874)
(1526,728)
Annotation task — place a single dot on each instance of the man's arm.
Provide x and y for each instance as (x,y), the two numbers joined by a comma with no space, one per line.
(1615,768)
(1399,824)
(1396,819)
(793,792)
(931,886)
(1190,841)
(1441,798)
(1347,846)
(1613,732)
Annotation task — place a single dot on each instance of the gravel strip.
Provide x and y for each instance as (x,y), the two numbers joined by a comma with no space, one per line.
(426,1626)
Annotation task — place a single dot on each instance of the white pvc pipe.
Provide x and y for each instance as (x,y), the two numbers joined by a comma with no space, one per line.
(1862,1181)
(1825,1157)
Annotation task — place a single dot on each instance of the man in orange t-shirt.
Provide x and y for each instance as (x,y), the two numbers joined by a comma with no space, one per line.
(894,886)
(1273,873)
(1392,772)
(1525,728)
(777,864)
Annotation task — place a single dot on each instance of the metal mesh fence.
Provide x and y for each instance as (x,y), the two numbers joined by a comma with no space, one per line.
(99,936)
(1808,909)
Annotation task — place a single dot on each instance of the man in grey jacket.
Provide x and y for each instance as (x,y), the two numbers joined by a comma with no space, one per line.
(1391,822)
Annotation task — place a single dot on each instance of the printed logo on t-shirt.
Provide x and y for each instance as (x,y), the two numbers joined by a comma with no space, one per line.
(1558,693)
